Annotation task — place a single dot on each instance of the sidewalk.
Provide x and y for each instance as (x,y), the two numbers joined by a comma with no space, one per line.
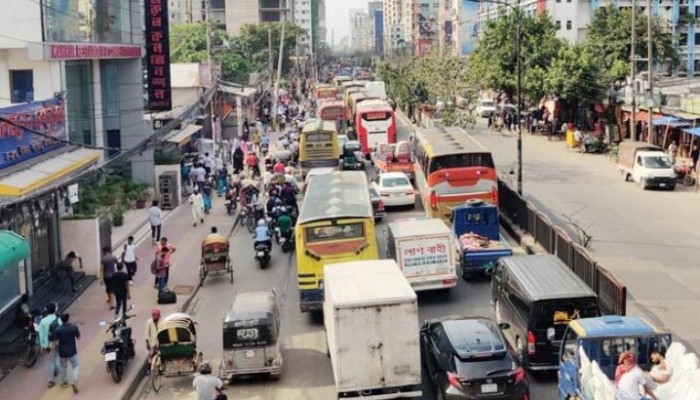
(90,308)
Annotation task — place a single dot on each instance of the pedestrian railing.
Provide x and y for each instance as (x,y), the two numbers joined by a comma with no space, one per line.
(612,294)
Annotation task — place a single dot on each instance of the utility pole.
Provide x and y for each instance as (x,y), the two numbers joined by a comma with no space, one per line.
(211,71)
(633,62)
(650,64)
(279,66)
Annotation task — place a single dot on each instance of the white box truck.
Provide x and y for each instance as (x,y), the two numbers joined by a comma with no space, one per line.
(371,320)
(424,249)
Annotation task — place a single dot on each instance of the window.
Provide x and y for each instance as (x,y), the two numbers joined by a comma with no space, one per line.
(335,232)
(109,71)
(568,25)
(22,85)
(461,161)
(558,25)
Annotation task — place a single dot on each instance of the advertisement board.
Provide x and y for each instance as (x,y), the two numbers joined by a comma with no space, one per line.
(157,38)
(468,27)
(17,144)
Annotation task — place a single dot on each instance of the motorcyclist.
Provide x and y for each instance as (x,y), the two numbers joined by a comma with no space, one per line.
(288,195)
(284,223)
(262,234)
(278,169)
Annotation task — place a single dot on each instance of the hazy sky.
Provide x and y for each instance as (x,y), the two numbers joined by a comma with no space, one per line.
(338,17)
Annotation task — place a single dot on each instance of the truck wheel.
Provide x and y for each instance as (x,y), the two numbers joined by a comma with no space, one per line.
(625,176)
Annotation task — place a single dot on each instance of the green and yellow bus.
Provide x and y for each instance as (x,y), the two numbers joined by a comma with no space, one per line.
(335,225)
(318,146)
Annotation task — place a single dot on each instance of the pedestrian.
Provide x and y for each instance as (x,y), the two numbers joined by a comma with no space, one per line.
(238,157)
(256,140)
(66,266)
(200,175)
(221,186)
(208,387)
(208,163)
(184,173)
(207,191)
(252,162)
(661,371)
(171,249)
(129,257)
(197,203)
(162,269)
(109,267)
(694,156)
(120,288)
(673,152)
(47,340)
(155,217)
(152,328)
(580,143)
(67,334)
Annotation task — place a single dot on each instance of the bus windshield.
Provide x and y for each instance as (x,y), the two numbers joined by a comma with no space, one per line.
(317,137)
(460,161)
(335,232)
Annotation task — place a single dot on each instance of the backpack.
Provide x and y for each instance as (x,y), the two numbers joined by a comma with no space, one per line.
(52,329)
(154,266)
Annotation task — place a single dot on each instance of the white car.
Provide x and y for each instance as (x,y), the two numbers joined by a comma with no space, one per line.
(394,189)
(485,108)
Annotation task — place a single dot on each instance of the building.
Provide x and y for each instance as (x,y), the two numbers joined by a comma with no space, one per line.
(459,23)
(375,10)
(74,74)
(393,36)
(190,11)
(303,18)
(242,12)
(361,38)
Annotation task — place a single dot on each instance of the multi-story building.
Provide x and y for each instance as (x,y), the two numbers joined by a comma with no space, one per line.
(241,12)
(361,38)
(393,35)
(189,11)
(458,21)
(303,18)
(376,23)
(73,74)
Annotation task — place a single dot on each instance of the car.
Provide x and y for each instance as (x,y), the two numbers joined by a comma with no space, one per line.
(394,189)
(377,204)
(469,358)
(485,108)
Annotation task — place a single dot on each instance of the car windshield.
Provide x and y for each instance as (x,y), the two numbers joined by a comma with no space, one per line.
(657,162)
(394,182)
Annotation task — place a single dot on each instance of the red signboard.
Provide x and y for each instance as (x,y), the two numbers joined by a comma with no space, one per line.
(82,51)
(158,55)
(376,116)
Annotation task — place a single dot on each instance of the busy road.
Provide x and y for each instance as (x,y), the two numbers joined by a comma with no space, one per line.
(307,369)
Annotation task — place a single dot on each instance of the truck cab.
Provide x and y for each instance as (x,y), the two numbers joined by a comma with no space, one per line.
(602,340)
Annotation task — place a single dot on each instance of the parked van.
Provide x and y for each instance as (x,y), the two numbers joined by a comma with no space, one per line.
(538,295)
(646,164)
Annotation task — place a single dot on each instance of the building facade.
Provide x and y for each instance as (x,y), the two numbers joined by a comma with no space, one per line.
(242,12)
(375,11)
(393,35)
(76,76)
(361,38)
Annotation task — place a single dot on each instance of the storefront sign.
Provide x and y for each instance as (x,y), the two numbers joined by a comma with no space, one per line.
(73,193)
(83,51)
(158,55)
(17,144)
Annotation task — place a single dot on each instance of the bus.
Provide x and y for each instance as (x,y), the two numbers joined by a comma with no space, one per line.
(375,124)
(450,170)
(346,86)
(353,101)
(335,225)
(331,110)
(318,146)
(340,79)
(326,92)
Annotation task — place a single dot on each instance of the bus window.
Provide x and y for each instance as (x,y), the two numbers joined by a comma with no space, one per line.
(335,232)
(318,137)
(461,161)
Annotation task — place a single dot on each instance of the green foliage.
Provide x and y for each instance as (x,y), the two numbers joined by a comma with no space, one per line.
(573,75)
(242,55)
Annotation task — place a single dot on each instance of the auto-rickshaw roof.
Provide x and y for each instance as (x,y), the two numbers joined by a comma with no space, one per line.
(251,305)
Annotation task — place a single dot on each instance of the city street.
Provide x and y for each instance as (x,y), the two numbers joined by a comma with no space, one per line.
(307,369)
(648,238)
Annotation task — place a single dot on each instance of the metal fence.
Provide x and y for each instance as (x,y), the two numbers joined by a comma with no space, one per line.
(612,294)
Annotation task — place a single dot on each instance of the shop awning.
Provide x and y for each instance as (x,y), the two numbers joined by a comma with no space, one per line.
(183,136)
(38,175)
(693,131)
(665,120)
(13,249)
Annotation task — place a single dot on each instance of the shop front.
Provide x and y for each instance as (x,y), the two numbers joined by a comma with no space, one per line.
(14,252)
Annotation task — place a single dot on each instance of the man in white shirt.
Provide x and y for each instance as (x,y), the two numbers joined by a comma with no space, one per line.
(628,387)
(155,217)
(208,387)
(129,257)
(208,163)
(200,176)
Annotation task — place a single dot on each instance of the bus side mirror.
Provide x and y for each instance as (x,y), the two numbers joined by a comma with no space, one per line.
(503,326)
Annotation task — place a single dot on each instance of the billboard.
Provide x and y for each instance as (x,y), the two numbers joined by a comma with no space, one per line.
(468,27)
(17,144)
(158,55)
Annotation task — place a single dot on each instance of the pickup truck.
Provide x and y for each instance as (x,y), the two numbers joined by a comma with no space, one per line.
(646,164)
(397,157)
(591,349)
(480,244)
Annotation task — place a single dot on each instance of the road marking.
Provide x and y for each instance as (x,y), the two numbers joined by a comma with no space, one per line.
(476,142)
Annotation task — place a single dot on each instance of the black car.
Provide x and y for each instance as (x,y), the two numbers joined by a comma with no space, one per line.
(469,358)
(377,205)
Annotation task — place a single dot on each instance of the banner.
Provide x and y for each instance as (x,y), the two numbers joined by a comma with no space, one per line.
(158,55)
(16,144)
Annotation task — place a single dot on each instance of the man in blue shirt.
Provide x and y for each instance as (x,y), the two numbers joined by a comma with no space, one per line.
(47,341)
(67,334)
(262,234)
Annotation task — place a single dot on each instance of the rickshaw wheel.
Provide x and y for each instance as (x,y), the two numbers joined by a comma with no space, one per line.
(156,375)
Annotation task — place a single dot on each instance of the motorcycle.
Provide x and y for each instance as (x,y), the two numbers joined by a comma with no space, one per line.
(262,254)
(33,347)
(684,175)
(120,349)
(286,241)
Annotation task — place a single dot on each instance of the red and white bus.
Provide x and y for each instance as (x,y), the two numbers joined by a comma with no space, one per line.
(375,124)
(450,170)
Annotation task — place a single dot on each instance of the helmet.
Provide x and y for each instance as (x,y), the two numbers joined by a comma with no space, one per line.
(283,210)
(205,367)
(261,222)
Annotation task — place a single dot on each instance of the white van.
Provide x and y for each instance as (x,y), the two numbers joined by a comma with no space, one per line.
(485,107)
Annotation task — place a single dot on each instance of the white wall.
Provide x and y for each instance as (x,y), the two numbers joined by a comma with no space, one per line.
(19,19)
(239,13)
(47,74)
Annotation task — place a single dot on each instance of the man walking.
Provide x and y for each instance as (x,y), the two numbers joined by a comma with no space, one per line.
(171,249)
(66,266)
(155,217)
(197,203)
(67,334)
(120,288)
(209,163)
(47,340)
(129,257)
(109,266)
(152,328)
(200,176)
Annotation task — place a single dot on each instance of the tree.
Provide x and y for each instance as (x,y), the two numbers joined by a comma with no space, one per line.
(609,39)
(254,42)
(494,64)
(574,75)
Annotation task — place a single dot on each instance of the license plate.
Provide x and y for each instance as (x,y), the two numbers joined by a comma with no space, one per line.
(489,388)
(250,354)
(662,185)
(110,356)
(260,254)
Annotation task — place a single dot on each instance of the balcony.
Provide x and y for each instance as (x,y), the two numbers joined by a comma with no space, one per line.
(87,21)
